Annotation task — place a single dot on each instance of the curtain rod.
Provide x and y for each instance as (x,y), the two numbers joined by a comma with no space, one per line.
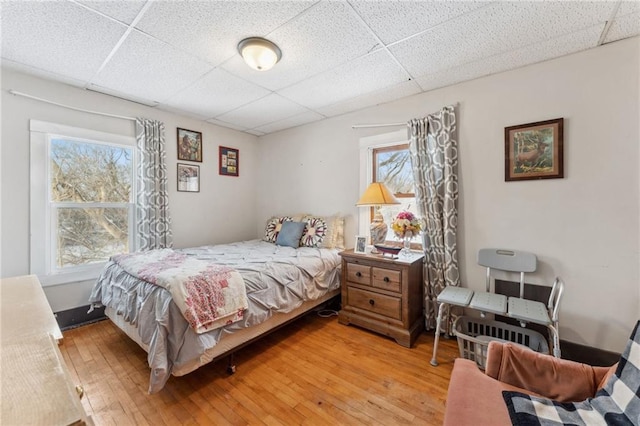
(25,95)
(365,126)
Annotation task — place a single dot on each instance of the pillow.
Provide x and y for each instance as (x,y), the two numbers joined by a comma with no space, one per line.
(334,237)
(273,228)
(290,234)
(299,217)
(314,232)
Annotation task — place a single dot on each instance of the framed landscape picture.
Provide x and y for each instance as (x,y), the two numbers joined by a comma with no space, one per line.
(188,178)
(229,161)
(189,145)
(534,150)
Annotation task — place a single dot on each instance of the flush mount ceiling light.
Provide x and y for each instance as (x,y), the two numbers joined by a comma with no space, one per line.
(259,53)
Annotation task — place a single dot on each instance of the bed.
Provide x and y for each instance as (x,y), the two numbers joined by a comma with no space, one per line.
(281,284)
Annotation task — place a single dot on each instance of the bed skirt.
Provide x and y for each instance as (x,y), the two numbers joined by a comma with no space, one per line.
(230,342)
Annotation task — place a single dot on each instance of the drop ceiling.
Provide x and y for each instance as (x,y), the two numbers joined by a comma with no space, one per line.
(337,56)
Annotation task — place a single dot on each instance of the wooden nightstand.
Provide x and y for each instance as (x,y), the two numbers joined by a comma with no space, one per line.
(383,294)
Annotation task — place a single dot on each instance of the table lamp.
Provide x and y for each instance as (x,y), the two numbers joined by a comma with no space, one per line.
(376,195)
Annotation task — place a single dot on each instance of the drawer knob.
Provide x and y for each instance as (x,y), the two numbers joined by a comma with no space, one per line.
(80,391)
(372,302)
(386,279)
(358,274)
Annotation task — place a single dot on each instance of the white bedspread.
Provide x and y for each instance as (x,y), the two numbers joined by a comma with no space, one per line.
(277,279)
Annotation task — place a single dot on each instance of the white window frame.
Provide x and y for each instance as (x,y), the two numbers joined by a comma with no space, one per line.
(367,145)
(42,209)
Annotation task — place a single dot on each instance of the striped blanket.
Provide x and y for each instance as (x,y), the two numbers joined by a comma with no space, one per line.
(208,295)
(617,403)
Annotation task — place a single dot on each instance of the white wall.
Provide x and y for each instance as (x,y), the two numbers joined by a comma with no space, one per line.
(584,228)
(224,210)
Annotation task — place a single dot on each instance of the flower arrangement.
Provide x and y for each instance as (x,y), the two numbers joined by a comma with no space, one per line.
(406,225)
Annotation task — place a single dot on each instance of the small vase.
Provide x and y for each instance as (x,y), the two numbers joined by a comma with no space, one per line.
(406,247)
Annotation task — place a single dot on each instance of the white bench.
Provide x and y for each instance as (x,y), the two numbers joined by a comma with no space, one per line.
(518,308)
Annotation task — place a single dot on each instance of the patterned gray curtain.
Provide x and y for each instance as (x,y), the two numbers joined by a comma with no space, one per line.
(153,223)
(434,158)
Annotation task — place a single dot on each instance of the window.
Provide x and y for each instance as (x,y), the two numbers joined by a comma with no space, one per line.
(82,210)
(392,165)
(385,158)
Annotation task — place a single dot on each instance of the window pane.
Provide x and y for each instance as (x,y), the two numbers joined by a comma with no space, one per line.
(83,172)
(90,235)
(393,167)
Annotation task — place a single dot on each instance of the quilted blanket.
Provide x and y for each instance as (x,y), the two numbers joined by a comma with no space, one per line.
(208,295)
(617,403)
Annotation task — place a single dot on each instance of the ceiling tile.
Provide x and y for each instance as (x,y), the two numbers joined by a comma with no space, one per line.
(154,70)
(181,111)
(117,94)
(393,20)
(310,46)
(623,27)
(628,7)
(366,74)
(216,93)
(577,41)
(59,37)
(124,11)
(227,124)
(392,93)
(266,110)
(256,132)
(296,120)
(212,30)
(17,66)
(494,29)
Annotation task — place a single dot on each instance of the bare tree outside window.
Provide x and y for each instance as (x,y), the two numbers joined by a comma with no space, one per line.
(392,165)
(91,200)
(394,169)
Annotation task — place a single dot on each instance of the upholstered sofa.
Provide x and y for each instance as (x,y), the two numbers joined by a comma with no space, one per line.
(475,397)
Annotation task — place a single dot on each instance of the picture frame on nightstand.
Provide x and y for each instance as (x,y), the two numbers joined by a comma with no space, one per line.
(361,245)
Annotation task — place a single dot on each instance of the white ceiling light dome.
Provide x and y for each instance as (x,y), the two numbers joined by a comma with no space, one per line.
(259,53)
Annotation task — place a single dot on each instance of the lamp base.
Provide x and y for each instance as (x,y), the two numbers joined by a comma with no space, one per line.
(378,230)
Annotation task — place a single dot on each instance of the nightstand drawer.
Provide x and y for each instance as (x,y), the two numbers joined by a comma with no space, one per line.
(359,274)
(387,279)
(379,303)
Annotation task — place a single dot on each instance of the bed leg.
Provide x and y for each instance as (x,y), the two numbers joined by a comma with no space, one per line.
(231,366)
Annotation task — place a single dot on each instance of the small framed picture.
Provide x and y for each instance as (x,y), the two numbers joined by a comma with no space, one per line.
(534,151)
(229,161)
(361,244)
(189,145)
(188,178)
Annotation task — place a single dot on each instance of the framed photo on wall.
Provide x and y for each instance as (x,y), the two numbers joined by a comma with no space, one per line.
(534,150)
(188,178)
(229,161)
(189,145)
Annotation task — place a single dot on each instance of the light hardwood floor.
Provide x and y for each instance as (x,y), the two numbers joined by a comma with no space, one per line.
(314,371)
